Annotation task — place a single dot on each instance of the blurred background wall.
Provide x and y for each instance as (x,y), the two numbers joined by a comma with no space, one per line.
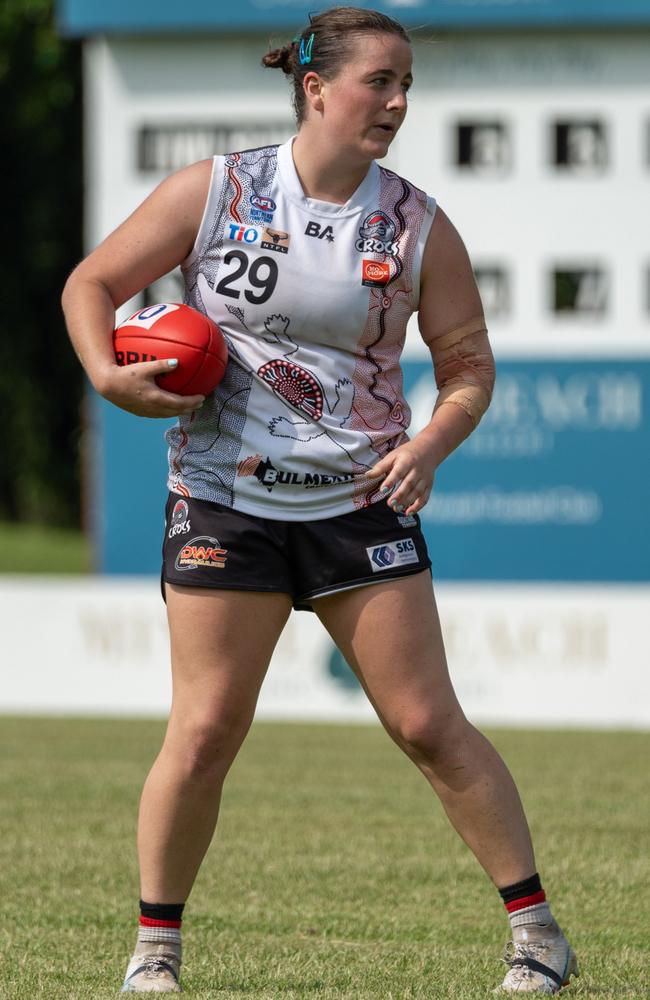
(530,123)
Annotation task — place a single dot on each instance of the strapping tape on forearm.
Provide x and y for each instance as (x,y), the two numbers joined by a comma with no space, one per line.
(451,337)
(464,368)
(473,399)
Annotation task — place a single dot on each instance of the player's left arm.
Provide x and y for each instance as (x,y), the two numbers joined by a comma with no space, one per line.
(453,327)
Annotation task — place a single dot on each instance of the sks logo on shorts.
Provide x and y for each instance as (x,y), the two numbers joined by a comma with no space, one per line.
(391,554)
(377,235)
(262,208)
(267,474)
(375,274)
(202,551)
(275,239)
(179,520)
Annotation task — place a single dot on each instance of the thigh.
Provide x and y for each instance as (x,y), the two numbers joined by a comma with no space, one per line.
(221,645)
(390,635)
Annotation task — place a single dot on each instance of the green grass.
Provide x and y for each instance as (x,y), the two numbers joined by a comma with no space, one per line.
(334,873)
(26,548)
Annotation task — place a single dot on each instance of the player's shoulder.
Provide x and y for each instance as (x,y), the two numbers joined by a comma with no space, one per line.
(185,190)
(444,241)
(392,177)
(193,178)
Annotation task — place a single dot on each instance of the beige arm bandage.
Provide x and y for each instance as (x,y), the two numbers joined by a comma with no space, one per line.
(464,368)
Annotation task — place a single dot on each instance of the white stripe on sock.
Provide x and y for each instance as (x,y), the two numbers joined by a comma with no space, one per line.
(538,914)
(159,934)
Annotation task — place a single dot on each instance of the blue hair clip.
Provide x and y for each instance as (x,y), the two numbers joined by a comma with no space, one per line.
(304,52)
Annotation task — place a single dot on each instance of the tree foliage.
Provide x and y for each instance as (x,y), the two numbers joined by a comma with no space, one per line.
(41,383)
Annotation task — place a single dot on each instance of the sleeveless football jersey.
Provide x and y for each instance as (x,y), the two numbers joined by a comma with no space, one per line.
(313,299)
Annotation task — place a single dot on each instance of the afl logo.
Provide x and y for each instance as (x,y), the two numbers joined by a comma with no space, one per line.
(264,204)
(377,235)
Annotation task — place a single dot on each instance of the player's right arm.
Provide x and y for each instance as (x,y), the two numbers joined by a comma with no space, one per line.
(150,243)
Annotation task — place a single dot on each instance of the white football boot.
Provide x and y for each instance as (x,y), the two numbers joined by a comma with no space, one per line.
(541,960)
(154,968)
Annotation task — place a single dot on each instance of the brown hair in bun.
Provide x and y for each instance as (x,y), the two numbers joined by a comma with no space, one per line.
(327,41)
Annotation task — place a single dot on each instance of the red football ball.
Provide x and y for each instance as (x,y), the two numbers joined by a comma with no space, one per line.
(172,330)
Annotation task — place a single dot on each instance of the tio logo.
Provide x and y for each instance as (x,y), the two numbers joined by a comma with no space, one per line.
(247,234)
(319,232)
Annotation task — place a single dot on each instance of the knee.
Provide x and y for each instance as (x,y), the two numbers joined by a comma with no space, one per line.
(430,736)
(207,746)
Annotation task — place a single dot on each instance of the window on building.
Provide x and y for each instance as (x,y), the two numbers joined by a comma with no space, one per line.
(494,287)
(580,145)
(580,291)
(483,146)
(170,147)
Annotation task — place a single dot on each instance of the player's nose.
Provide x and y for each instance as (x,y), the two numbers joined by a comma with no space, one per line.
(397,101)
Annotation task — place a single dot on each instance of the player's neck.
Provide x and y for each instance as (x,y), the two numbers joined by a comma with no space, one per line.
(326,175)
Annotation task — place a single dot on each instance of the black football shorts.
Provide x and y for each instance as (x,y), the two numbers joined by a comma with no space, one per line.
(209,545)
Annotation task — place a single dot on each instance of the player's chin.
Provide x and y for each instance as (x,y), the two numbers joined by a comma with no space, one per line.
(378,147)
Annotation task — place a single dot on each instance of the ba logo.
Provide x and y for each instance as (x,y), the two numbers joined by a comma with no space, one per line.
(377,235)
(319,232)
(179,519)
(243,234)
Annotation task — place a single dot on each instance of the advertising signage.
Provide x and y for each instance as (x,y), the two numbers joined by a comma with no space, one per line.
(551,487)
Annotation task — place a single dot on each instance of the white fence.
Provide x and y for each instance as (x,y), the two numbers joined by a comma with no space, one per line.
(544,655)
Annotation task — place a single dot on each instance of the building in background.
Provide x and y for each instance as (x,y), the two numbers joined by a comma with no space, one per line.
(530,123)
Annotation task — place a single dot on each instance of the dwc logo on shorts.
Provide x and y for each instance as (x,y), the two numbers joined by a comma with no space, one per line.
(202,551)
(392,554)
(377,235)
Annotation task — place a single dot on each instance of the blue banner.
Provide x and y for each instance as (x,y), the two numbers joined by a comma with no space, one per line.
(553,485)
(87,17)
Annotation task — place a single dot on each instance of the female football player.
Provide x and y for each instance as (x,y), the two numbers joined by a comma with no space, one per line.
(311,258)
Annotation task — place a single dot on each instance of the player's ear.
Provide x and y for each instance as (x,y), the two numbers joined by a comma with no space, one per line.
(313,87)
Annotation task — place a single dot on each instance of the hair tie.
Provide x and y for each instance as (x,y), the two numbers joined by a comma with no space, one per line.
(304,52)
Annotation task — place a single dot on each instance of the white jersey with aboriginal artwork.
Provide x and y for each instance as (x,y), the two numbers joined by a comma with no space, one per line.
(313,299)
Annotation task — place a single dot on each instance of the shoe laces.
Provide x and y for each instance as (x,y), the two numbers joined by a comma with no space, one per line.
(154,965)
(524,949)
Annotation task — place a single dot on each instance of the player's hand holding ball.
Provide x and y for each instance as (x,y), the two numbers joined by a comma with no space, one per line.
(169,357)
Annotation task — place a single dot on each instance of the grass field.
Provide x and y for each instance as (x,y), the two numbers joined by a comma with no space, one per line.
(26,548)
(334,873)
